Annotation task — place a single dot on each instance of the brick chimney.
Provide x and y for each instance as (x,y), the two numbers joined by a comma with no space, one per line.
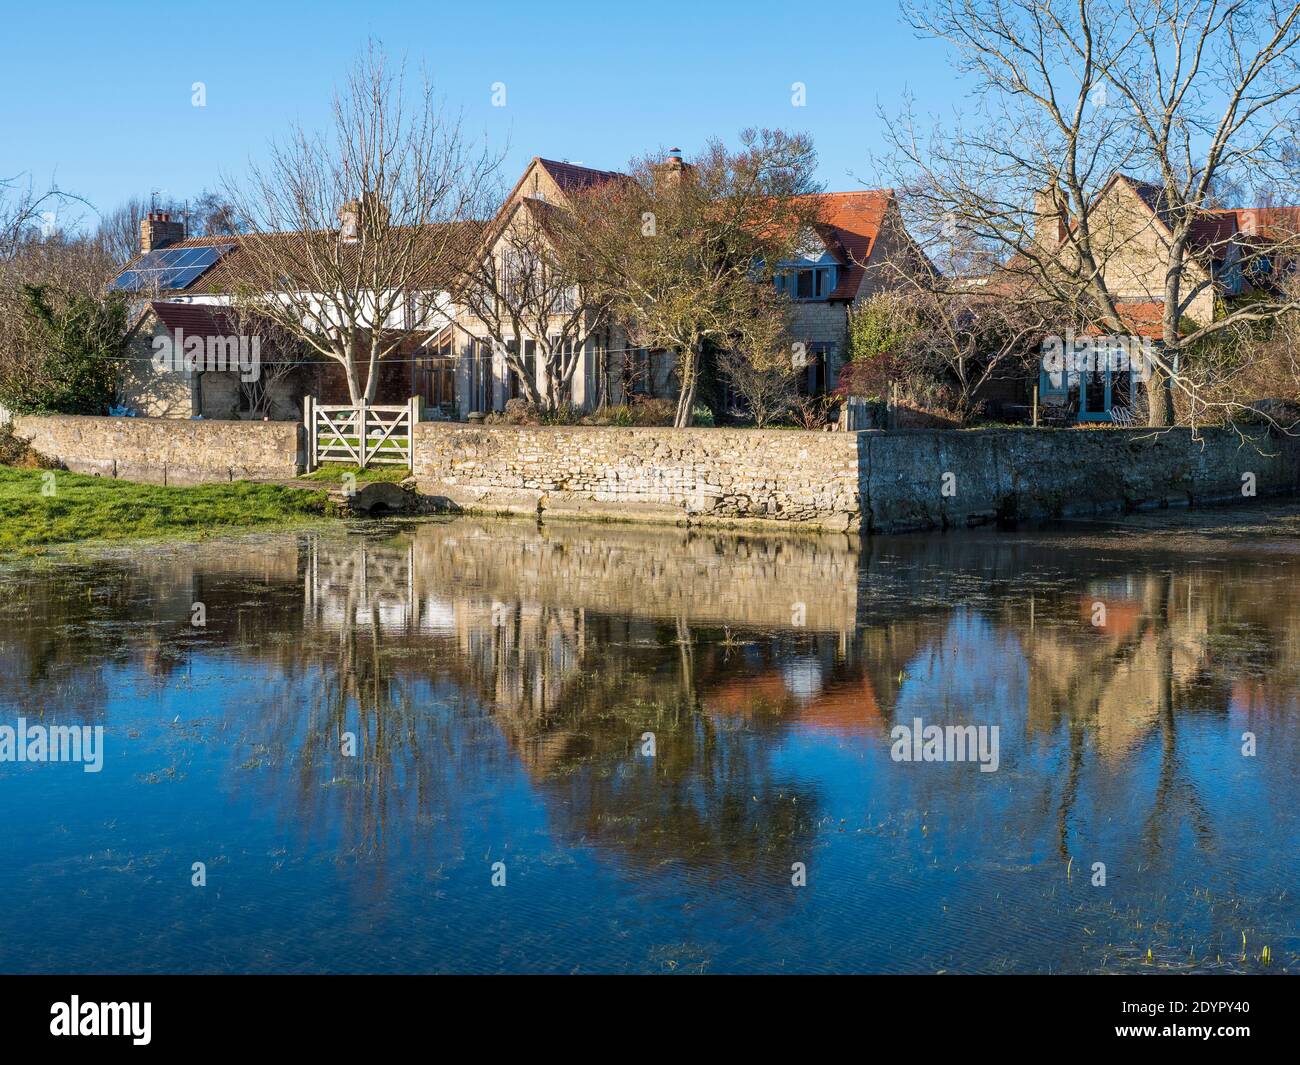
(157,230)
(1051,217)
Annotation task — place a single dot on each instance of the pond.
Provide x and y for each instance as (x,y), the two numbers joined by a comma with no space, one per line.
(469,745)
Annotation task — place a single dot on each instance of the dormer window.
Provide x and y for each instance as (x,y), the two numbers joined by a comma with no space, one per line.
(807,282)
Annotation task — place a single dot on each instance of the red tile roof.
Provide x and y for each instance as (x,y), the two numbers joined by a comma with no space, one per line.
(850,223)
(571,176)
(1140,318)
(196,319)
(1272,222)
(1216,228)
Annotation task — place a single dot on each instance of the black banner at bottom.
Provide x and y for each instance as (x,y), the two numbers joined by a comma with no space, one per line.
(333,1013)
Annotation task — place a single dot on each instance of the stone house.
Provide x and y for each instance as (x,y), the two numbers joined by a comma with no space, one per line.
(1235,253)
(470,373)
(452,361)
(858,247)
(853,250)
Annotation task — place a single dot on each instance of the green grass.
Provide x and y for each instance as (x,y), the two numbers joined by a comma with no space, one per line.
(334,472)
(96,508)
(328,440)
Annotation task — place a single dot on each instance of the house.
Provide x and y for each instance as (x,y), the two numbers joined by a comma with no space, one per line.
(1235,254)
(457,361)
(183,305)
(853,250)
(517,316)
(859,246)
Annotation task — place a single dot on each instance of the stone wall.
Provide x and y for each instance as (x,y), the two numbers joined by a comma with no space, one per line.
(704,476)
(167,450)
(925,479)
(874,481)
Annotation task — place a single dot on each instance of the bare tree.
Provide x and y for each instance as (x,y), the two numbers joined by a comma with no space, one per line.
(350,237)
(524,290)
(28,215)
(962,334)
(677,250)
(118,230)
(765,365)
(1197,97)
(281,354)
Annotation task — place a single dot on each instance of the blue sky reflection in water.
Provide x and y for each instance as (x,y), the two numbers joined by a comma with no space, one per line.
(499,678)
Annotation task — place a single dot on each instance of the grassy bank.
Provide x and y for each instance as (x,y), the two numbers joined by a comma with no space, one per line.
(81,508)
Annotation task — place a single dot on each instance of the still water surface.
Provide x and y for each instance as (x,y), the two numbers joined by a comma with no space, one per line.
(500,679)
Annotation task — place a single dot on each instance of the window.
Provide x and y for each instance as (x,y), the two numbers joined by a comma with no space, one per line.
(1259,267)
(480,375)
(435,371)
(591,364)
(807,282)
(518,277)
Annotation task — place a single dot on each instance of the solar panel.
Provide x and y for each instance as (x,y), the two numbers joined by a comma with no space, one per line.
(168,268)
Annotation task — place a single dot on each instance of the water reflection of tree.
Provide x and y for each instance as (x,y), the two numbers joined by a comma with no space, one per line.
(575,693)
(1177,641)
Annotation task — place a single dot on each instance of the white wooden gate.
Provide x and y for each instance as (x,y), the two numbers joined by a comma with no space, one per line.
(360,435)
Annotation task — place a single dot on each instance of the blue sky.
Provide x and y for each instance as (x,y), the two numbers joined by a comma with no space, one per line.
(99,98)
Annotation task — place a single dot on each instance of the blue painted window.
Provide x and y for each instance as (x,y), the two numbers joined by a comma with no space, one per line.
(807,282)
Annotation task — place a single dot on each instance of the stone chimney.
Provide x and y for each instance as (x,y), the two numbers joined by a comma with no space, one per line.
(355,214)
(157,230)
(672,168)
(1051,217)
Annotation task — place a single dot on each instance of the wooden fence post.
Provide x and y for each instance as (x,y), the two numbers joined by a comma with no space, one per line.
(417,411)
(309,422)
(361,434)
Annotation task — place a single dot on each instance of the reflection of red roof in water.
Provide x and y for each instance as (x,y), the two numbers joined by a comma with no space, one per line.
(1249,698)
(1122,616)
(844,707)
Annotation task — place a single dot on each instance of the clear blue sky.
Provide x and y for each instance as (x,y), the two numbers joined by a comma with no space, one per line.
(98,96)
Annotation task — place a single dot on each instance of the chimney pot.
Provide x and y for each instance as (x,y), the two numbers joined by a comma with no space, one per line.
(157,230)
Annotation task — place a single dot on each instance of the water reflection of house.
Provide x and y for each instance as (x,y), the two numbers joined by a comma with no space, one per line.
(1120,674)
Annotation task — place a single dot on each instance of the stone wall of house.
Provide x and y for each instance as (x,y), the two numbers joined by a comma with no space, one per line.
(874,481)
(148,391)
(167,450)
(704,476)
